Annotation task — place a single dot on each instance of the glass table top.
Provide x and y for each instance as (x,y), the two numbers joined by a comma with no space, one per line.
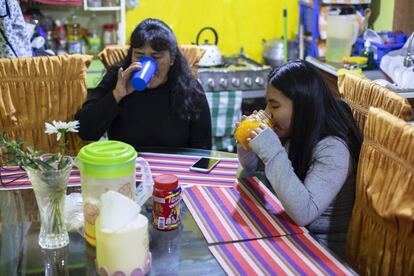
(182,251)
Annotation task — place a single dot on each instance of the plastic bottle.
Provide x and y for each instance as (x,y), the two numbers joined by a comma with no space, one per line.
(50,42)
(94,39)
(74,43)
(47,23)
(73,34)
(60,37)
(368,53)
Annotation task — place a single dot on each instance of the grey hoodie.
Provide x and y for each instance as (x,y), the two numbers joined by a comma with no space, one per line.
(324,201)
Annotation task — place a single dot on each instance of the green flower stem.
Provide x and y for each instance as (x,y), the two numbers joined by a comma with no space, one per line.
(53,212)
(62,146)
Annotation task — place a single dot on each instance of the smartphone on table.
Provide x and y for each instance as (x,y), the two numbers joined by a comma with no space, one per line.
(204,164)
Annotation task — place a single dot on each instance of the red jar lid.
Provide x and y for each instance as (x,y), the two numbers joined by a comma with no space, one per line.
(108,26)
(166,182)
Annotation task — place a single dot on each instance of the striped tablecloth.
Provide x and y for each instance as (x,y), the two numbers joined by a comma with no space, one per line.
(287,255)
(223,175)
(248,211)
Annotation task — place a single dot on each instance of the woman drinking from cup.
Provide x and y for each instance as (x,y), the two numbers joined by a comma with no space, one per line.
(171,109)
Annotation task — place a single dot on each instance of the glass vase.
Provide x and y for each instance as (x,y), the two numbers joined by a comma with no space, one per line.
(49,187)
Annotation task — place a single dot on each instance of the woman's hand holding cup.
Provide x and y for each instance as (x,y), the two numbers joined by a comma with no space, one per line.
(123,84)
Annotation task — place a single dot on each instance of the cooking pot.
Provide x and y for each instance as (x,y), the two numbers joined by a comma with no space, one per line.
(212,55)
(273,51)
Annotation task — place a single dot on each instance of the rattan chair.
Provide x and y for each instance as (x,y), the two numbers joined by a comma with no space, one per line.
(361,94)
(381,233)
(38,90)
(115,54)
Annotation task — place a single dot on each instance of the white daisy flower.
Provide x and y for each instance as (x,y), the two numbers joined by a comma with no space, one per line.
(59,127)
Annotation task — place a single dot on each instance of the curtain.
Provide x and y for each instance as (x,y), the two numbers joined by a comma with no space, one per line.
(38,90)
(381,234)
(116,54)
(360,94)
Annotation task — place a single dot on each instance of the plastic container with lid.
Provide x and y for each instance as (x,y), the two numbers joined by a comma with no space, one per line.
(103,166)
(342,32)
(109,34)
(250,123)
(166,202)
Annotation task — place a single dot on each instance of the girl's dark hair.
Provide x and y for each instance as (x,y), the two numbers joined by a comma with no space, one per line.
(186,92)
(316,114)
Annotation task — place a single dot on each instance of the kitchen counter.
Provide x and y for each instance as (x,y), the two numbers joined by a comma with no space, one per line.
(329,72)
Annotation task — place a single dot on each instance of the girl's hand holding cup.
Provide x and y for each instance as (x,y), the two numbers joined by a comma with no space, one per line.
(251,126)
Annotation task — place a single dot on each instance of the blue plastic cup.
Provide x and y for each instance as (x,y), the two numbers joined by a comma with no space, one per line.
(141,78)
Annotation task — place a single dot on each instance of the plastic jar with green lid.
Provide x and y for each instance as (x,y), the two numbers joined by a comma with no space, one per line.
(103,166)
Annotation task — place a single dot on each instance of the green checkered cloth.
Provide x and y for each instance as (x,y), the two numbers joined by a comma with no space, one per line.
(225,109)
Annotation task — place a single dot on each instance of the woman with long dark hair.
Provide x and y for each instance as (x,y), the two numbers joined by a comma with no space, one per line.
(173,110)
(310,156)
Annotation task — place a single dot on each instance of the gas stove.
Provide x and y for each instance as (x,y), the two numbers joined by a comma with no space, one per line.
(236,73)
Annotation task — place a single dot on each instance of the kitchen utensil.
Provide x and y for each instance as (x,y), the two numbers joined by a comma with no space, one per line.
(212,55)
(273,53)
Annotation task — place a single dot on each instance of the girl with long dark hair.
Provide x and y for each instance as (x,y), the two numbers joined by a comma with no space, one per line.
(173,110)
(310,156)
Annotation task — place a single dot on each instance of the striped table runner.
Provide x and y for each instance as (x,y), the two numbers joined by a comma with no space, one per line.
(223,175)
(234,214)
(15,178)
(288,255)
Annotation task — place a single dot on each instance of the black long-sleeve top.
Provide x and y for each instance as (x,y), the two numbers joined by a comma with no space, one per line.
(141,119)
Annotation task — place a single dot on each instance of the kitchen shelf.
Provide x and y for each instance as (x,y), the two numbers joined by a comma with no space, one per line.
(114,14)
(309,17)
(119,14)
(98,9)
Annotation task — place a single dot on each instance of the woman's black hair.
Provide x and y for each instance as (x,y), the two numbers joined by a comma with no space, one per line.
(186,92)
(316,114)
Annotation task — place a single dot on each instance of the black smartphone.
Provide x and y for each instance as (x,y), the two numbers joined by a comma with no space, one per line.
(204,164)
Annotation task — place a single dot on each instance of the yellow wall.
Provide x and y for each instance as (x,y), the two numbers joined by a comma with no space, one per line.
(239,23)
(383,15)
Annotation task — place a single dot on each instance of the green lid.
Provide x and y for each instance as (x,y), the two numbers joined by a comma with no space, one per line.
(107,159)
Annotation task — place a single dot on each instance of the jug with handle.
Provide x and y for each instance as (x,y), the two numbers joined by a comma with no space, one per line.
(342,32)
(109,165)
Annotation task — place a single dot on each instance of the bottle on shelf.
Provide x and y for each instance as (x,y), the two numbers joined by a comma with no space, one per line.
(73,35)
(95,3)
(60,37)
(50,43)
(369,54)
(74,43)
(110,3)
(109,35)
(94,37)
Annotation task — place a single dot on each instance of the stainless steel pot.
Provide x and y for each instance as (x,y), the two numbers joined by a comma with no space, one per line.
(273,51)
